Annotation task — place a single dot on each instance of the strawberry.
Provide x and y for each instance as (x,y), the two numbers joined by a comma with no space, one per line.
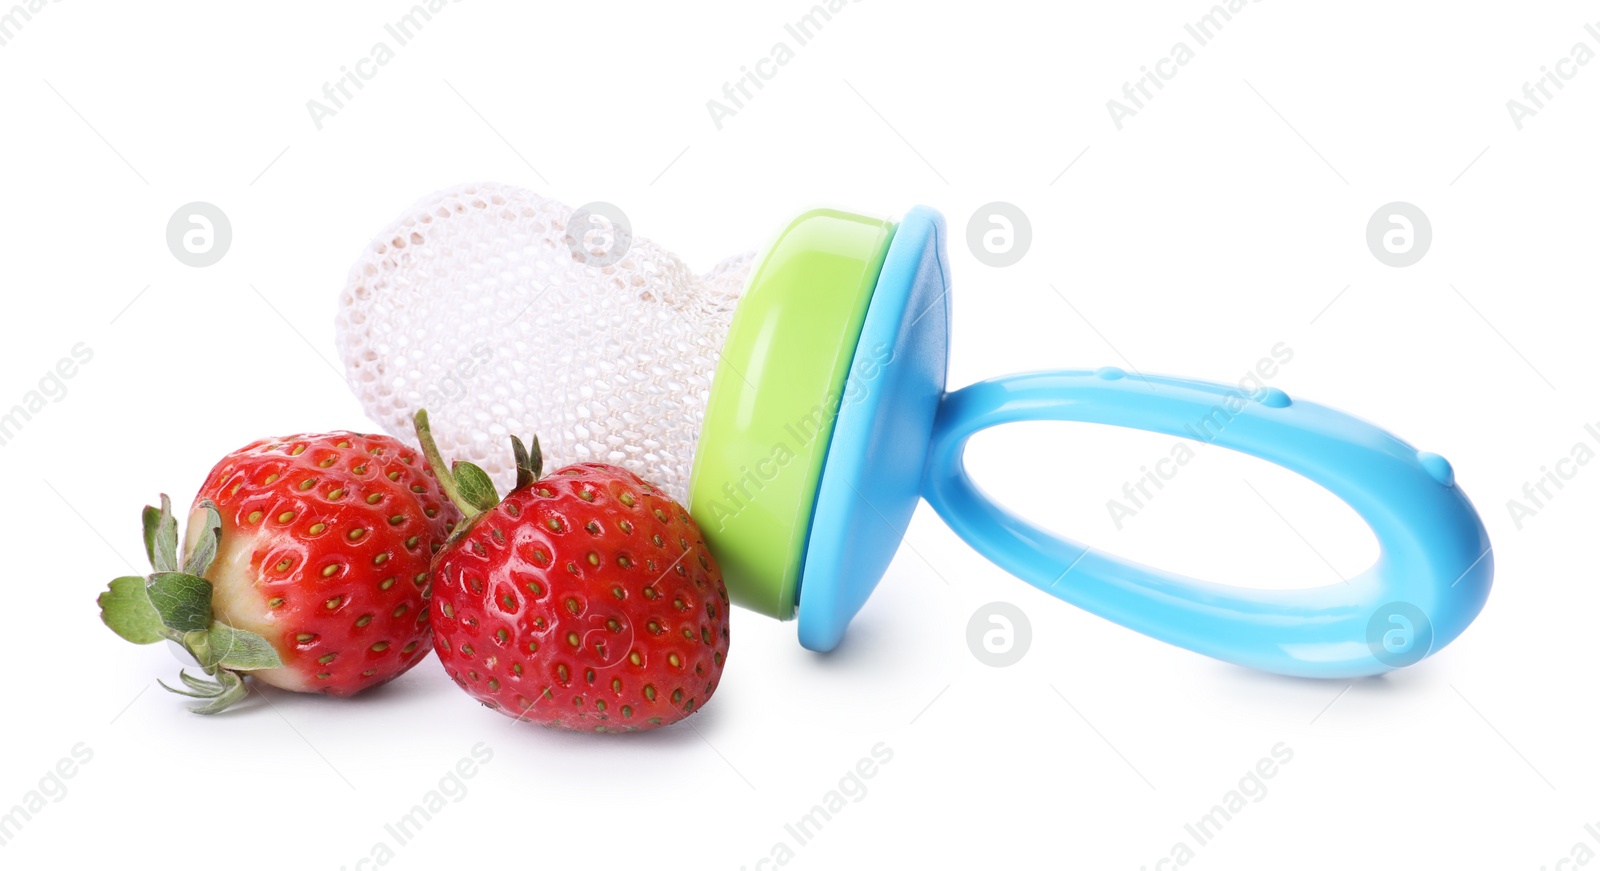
(585,600)
(306,566)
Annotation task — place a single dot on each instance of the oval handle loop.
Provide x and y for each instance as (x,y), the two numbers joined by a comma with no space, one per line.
(1430,580)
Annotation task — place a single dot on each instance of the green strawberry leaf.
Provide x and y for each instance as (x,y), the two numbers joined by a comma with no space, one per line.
(208,688)
(152,522)
(233,691)
(161,536)
(475,486)
(197,688)
(183,601)
(126,608)
(238,649)
(530,464)
(202,543)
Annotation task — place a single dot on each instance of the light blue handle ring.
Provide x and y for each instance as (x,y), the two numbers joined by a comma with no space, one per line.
(1430,580)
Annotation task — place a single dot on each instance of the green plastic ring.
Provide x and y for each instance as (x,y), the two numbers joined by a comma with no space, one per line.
(774,398)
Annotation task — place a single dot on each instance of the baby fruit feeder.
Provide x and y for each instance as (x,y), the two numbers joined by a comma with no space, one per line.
(822,415)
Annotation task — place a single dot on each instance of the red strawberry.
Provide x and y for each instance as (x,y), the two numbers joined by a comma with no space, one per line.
(585,600)
(306,565)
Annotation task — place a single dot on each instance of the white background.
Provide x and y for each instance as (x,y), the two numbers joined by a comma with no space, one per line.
(1224,218)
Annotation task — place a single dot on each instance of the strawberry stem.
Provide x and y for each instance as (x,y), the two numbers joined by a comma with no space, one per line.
(447,478)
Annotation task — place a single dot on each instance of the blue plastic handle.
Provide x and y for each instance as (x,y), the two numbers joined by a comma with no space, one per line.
(1430,580)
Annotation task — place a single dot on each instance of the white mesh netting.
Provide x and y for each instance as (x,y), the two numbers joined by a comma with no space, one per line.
(479,305)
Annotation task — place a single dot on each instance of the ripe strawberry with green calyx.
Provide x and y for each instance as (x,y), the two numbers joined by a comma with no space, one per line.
(585,600)
(305,565)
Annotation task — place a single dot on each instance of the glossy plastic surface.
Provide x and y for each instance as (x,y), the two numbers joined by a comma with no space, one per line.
(774,399)
(1430,580)
(872,480)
